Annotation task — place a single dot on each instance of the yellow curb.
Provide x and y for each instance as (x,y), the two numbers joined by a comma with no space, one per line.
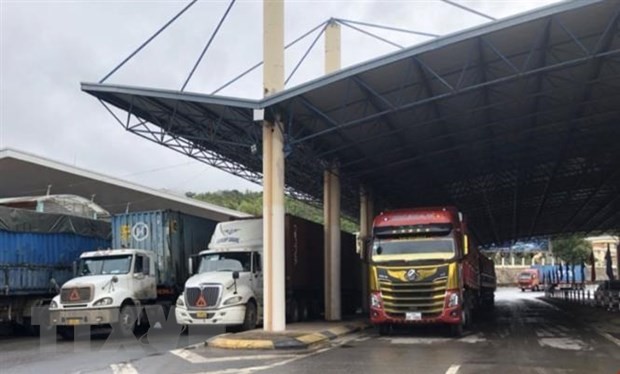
(311,338)
(240,344)
(340,330)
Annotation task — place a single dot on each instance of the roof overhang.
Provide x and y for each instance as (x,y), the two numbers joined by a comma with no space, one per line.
(28,174)
(514,122)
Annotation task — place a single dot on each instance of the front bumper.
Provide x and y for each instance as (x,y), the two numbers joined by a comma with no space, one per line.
(451,316)
(233,315)
(74,317)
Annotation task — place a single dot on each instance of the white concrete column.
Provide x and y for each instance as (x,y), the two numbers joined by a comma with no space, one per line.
(274,312)
(366,218)
(331,211)
(331,198)
(332,47)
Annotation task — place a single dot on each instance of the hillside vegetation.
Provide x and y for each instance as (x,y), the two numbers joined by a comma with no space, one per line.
(252,203)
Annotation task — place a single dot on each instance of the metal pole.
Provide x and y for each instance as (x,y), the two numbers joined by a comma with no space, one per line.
(273,172)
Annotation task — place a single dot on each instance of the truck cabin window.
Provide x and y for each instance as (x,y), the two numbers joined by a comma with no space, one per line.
(229,261)
(412,245)
(525,276)
(105,265)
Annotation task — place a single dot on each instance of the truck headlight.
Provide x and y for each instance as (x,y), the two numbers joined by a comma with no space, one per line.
(180,301)
(375,299)
(103,302)
(233,300)
(53,305)
(453,300)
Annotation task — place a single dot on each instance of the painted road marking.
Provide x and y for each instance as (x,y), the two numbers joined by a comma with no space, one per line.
(475,338)
(123,368)
(250,370)
(417,340)
(564,343)
(608,337)
(453,369)
(195,358)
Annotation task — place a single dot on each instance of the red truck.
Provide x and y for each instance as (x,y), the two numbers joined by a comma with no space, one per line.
(529,279)
(425,270)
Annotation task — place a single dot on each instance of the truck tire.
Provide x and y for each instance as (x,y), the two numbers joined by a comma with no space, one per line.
(385,330)
(126,321)
(294,312)
(249,321)
(66,333)
(456,331)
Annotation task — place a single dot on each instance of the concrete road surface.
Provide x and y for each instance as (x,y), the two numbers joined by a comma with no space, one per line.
(523,335)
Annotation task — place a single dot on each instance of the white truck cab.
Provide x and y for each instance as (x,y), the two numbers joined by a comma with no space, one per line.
(227,289)
(108,285)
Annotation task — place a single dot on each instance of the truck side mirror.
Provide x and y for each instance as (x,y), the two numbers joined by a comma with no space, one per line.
(74,269)
(190,265)
(235,276)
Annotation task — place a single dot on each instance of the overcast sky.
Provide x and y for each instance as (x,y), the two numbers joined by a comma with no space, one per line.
(49,47)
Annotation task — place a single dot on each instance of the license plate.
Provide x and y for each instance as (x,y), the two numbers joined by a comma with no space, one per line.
(201,314)
(73,321)
(413,316)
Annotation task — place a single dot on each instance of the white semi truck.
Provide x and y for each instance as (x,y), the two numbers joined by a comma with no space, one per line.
(228,287)
(146,269)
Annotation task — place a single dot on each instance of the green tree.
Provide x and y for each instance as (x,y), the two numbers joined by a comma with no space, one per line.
(573,249)
(252,203)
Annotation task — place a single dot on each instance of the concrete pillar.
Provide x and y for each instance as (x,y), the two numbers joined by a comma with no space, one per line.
(331,211)
(366,218)
(331,198)
(332,47)
(274,312)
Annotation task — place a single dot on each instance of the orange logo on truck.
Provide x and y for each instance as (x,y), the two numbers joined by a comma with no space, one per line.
(74,295)
(201,302)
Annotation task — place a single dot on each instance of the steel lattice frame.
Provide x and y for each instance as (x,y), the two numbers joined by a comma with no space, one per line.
(515,123)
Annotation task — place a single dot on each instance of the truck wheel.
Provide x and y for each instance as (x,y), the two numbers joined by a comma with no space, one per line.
(294,312)
(66,333)
(385,330)
(249,322)
(456,331)
(126,321)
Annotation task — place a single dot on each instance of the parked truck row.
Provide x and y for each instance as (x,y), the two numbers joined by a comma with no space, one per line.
(423,268)
(155,253)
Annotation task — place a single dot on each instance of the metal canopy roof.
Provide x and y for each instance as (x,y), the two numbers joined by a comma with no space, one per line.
(514,122)
(26,174)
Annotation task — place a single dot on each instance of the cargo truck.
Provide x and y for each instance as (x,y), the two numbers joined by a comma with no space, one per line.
(145,269)
(37,252)
(425,270)
(228,288)
(530,279)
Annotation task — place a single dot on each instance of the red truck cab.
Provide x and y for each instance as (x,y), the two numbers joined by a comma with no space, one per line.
(529,280)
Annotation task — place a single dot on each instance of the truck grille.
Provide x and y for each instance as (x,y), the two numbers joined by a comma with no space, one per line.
(426,298)
(208,298)
(75,295)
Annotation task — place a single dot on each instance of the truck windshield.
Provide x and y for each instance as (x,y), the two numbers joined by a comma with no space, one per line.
(228,261)
(413,245)
(105,265)
(525,276)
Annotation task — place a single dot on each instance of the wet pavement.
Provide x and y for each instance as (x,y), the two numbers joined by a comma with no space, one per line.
(523,335)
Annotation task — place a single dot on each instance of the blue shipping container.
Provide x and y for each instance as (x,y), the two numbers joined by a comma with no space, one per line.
(564,274)
(29,260)
(173,236)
